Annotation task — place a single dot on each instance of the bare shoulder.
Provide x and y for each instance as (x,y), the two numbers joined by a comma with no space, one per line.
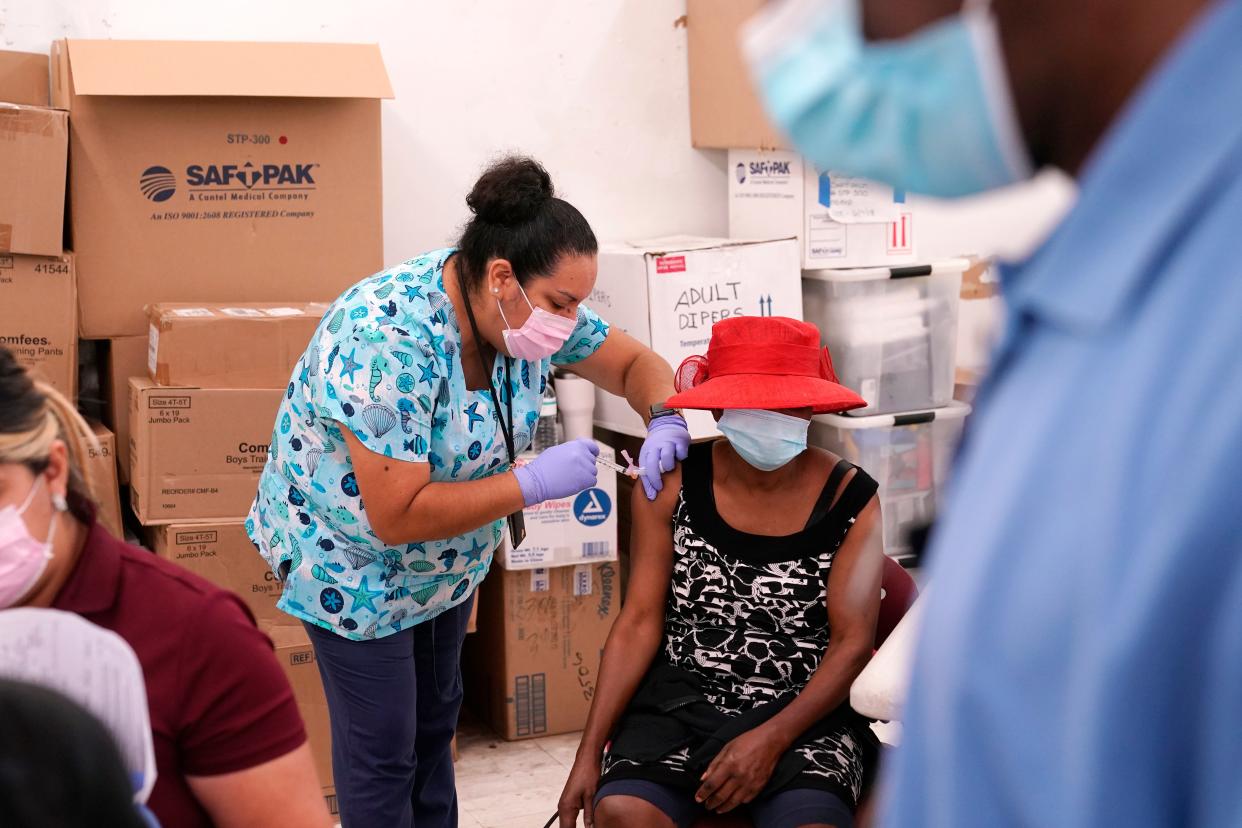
(665,502)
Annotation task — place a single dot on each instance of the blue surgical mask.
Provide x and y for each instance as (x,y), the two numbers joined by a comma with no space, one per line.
(931,113)
(765,439)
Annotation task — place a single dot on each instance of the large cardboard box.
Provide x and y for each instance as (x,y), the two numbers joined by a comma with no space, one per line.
(725,110)
(840,221)
(126,356)
(107,491)
(568,530)
(34,146)
(197,452)
(297,657)
(24,78)
(667,293)
(534,662)
(38,317)
(222,553)
(234,345)
(219,172)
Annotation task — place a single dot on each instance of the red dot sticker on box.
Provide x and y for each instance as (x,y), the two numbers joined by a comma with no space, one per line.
(671,264)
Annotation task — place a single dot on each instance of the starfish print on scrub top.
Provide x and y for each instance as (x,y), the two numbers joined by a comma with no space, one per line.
(384,365)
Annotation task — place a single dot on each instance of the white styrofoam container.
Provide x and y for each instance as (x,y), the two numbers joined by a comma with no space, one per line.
(839,221)
(581,529)
(667,293)
(909,455)
(892,332)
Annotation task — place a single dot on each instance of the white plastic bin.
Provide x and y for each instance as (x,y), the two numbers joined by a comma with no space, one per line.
(892,331)
(908,455)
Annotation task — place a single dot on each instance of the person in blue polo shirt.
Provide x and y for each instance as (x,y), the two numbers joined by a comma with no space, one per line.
(1080,662)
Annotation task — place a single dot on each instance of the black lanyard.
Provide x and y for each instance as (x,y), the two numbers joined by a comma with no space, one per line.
(517,522)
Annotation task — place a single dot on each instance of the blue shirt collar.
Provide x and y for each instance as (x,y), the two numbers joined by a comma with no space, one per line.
(1155,169)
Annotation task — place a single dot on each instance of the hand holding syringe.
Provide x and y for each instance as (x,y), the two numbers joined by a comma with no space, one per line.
(629,470)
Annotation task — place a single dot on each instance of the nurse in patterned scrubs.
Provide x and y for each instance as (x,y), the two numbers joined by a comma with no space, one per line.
(390,472)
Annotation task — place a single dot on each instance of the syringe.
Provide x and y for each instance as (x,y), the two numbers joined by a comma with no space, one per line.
(630,471)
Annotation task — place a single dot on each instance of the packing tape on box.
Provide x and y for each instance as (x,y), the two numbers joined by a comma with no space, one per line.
(6,238)
(25,120)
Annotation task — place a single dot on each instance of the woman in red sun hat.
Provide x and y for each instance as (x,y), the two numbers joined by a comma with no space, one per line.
(752,602)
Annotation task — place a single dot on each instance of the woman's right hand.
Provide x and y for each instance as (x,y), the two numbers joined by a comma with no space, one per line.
(579,793)
(559,471)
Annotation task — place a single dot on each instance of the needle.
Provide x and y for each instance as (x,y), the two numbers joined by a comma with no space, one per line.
(630,471)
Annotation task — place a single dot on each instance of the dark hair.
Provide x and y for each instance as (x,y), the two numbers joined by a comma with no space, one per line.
(59,765)
(518,217)
(32,416)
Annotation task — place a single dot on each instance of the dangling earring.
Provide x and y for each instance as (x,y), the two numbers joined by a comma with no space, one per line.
(59,503)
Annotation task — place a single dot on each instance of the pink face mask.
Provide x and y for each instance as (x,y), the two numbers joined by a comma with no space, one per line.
(541,335)
(22,558)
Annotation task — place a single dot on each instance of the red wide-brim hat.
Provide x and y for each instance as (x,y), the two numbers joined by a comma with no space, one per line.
(768,363)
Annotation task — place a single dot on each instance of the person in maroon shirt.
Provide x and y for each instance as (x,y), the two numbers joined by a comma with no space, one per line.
(230,747)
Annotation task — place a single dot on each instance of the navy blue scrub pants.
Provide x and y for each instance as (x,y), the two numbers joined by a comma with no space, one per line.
(393,703)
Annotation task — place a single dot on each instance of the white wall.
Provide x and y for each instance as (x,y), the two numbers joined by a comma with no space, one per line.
(596,89)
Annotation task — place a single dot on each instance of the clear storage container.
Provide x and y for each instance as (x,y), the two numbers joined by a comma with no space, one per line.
(892,331)
(908,455)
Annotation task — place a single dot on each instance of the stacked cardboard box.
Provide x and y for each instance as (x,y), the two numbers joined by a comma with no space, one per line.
(200,420)
(667,293)
(544,613)
(203,183)
(533,665)
(38,316)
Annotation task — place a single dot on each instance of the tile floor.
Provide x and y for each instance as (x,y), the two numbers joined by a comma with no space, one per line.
(510,784)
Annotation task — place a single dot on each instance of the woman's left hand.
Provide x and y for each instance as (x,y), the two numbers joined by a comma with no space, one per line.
(667,443)
(740,770)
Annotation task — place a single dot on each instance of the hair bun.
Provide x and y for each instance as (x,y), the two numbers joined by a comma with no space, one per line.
(511,191)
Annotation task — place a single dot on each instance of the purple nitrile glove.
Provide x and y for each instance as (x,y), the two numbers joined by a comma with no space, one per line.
(667,443)
(559,471)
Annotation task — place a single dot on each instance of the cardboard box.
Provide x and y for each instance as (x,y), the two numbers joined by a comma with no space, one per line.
(533,663)
(24,78)
(233,346)
(725,110)
(570,530)
(236,172)
(106,489)
(34,147)
(38,317)
(196,453)
(126,357)
(667,294)
(222,553)
(297,657)
(839,221)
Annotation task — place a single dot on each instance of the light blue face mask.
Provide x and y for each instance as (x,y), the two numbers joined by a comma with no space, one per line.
(765,439)
(931,113)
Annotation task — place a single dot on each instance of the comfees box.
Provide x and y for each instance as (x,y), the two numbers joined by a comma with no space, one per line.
(219,172)
(38,317)
(196,453)
(667,293)
(233,345)
(222,553)
(534,662)
(570,530)
(840,221)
